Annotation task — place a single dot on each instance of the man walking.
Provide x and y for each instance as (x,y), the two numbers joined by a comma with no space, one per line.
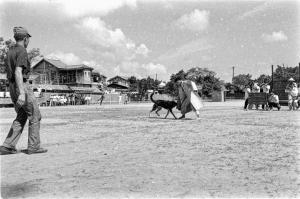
(26,107)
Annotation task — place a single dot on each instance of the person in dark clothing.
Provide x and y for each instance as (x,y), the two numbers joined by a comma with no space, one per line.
(101,99)
(25,103)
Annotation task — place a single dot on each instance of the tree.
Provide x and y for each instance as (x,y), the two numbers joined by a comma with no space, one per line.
(284,73)
(201,76)
(171,87)
(133,84)
(180,75)
(4,47)
(33,54)
(264,79)
(241,80)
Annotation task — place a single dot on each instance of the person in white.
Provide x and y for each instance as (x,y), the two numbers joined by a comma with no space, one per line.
(120,98)
(273,101)
(266,89)
(255,89)
(292,91)
(247,91)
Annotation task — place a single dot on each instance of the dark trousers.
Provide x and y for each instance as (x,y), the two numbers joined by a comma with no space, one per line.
(273,104)
(30,110)
(246,103)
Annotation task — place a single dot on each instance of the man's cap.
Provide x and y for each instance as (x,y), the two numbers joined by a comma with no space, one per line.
(20,31)
(291,79)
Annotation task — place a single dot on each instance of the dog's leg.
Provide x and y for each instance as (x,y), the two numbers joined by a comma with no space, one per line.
(167,114)
(158,109)
(153,109)
(173,114)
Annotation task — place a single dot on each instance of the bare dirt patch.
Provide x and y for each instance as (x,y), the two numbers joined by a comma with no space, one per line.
(117,151)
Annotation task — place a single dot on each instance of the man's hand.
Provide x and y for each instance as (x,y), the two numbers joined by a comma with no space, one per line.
(21,100)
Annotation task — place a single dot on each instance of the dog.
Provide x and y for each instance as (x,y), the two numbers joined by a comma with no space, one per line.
(160,104)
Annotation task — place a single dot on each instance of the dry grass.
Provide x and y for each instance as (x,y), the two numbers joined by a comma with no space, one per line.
(117,151)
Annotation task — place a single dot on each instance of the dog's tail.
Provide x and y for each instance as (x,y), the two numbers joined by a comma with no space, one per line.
(151,97)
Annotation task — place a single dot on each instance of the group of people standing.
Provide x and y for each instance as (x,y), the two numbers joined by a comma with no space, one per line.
(273,99)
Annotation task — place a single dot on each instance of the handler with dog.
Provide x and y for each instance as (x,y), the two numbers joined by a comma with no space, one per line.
(188,98)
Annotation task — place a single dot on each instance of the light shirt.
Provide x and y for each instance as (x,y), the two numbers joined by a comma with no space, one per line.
(194,86)
(256,88)
(266,88)
(294,92)
(274,99)
(247,91)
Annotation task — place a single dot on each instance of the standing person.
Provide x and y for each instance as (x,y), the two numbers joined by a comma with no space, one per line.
(125,99)
(26,107)
(265,89)
(120,98)
(188,98)
(101,99)
(256,89)
(292,91)
(247,91)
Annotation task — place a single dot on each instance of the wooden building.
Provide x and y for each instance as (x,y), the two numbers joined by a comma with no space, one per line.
(51,71)
(118,83)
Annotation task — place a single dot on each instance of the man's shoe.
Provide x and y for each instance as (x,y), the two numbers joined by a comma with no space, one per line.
(6,151)
(39,150)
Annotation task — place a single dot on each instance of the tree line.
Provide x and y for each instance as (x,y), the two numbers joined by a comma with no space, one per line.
(203,77)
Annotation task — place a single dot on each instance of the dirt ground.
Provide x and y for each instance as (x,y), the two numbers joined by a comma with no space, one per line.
(117,151)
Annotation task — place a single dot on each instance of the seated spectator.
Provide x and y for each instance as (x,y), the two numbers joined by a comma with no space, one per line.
(273,101)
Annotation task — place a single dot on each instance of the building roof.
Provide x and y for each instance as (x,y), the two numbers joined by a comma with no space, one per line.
(86,90)
(97,73)
(78,67)
(52,87)
(117,86)
(61,65)
(122,77)
(55,62)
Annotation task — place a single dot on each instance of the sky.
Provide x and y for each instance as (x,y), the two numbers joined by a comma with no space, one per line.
(149,37)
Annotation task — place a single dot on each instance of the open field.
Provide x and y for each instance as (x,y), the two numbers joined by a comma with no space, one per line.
(117,151)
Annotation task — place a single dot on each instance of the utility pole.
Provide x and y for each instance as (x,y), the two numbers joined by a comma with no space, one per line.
(232,73)
(299,74)
(272,78)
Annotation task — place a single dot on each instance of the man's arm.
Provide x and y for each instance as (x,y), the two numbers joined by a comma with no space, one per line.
(20,86)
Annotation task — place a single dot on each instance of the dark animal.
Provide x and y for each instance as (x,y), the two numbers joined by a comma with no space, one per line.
(159,104)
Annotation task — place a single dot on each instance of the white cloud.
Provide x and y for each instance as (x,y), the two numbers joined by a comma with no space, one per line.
(98,67)
(200,46)
(142,50)
(274,37)
(195,21)
(256,10)
(152,68)
(67,58)
(140,70)
(79,8)
(98,33)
